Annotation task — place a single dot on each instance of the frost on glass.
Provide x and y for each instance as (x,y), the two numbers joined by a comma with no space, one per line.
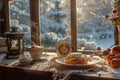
(93,29)
(55,21)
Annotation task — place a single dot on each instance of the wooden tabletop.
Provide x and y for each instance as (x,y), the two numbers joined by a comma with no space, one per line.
(48,64)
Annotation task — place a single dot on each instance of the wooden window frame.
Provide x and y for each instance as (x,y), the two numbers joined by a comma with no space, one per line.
(34,16)
(74,28)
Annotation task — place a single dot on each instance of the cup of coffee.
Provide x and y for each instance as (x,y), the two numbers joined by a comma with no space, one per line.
(36,52)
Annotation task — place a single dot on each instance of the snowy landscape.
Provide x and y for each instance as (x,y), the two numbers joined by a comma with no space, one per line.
(55,21)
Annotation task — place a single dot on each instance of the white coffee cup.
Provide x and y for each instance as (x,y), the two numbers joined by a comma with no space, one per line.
(36,52)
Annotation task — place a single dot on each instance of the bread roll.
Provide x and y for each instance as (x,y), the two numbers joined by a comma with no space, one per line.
(76,58)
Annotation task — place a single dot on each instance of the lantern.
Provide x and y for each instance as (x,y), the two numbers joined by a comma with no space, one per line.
(15,44)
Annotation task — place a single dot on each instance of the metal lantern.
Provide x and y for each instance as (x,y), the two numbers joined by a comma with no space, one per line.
(15,44)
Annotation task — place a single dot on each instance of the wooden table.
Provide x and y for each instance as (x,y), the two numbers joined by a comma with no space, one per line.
(60,71)
(35,65)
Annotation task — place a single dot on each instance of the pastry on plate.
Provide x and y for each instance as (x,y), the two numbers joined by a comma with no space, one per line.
(76,58)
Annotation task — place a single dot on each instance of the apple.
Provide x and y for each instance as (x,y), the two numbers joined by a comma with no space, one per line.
(117,55)
(115,63)
(116,49)
(106,52)
(99,48)
(109,58)
(108,49)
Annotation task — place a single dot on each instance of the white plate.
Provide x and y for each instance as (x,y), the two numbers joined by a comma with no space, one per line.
(63,48)
(90,64)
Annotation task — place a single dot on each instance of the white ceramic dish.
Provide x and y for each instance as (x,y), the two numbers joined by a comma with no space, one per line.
(90,64)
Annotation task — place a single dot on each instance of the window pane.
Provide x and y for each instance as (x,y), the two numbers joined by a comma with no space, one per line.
(93,29)
(55,22)
(20,17)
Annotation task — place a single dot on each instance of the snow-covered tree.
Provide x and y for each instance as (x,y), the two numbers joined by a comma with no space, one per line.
(53,22)
(94,18)
(20,10)
(50,39)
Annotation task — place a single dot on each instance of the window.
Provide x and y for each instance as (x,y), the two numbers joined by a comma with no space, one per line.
(80,22)
(20,17)
(54,22)
(92,28)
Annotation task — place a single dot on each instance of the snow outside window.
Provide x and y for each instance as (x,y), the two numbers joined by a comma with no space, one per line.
(92,28)
(20,17)
(54,22)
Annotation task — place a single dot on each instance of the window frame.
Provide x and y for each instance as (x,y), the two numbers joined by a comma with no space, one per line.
(34,13)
